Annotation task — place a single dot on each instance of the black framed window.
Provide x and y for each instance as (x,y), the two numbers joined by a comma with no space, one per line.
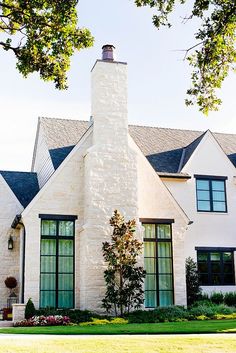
(57,263)
(211,194)
(158,263)
(216,267)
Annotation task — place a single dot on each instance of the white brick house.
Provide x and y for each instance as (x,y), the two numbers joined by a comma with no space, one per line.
(179,186)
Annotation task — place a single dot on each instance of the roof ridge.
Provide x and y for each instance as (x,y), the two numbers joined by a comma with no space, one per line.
(165,128)
(65,119)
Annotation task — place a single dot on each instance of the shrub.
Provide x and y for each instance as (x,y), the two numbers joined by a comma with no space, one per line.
(161,314)
(230,298)
(217,298)
(192,281)
(142,316)
(53,320)
(10,282)
(170,313)
(76,316)
(94,322)
(29,309)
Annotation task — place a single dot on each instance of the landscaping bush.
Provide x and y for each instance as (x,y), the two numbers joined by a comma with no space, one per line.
(161,314)
(230,298)
(76,316)
(217,298)
(53,320)
(94,322)
(29,309)
(209,310)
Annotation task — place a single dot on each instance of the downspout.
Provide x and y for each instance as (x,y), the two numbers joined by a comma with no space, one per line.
(23,265)
(14,224)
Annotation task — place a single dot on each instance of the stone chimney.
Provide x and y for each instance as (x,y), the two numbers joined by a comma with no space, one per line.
(109,99)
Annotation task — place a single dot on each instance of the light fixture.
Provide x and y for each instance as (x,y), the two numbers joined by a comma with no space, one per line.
(10,243)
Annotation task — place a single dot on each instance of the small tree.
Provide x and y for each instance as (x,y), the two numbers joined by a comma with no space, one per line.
(124,279)
(192,281)
(29,309)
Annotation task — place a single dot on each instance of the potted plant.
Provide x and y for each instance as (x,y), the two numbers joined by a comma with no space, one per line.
(11,283)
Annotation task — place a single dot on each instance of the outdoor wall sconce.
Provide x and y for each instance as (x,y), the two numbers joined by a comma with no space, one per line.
(10,243)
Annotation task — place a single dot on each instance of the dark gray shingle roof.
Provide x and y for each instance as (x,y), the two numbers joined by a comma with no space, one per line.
(163,147)
(59,154)
(23,184)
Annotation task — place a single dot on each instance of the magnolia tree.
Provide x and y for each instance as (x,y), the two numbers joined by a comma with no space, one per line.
(123,277)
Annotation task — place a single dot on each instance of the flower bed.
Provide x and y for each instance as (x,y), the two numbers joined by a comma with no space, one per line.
(52,320)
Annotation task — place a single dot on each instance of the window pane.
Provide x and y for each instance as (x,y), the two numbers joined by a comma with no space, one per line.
(149,231)
(66,247)
(65,264)
(215,256)
(65,299)
(150,265)
(204,279)
(228,268)
(166,298)
(229,279)
(164,249)
(164,265)
(203,206)
(202,256)
(65,282)
(66,228)
(215,267)
(219,206)
(227,256)
(203,195)
(48,281)
(48,227)
(203,184)
(47,299)
(150,282)
(202,267)
(218,196)
(165,282)
(218,185)
(149,249)
(163,231)
(150,299)
(48,264)
(48,247)
(216,279)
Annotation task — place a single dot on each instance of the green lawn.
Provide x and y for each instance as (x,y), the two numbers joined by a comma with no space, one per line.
(117,344)
(209,326)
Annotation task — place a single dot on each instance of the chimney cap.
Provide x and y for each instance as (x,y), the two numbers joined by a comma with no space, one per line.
(108,46)
(107,52)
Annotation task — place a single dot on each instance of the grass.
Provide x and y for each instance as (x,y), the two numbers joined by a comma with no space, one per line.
(209,326)
(117,344)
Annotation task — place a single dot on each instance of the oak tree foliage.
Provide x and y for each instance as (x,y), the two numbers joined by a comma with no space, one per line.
(43,35)
(123,277)
(214,53)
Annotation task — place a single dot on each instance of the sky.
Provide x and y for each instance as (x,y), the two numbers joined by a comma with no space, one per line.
(158,78)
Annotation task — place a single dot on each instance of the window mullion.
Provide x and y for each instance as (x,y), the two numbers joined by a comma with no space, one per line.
(211,195)
(57,260)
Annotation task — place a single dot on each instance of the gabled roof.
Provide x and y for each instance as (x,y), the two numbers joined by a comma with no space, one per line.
(168,150)
(188,151)
(23,184)
(59,154)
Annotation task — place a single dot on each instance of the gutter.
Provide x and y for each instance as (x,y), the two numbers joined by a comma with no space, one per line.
(15,223)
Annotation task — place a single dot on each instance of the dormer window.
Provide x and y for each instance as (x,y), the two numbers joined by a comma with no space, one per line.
(211,193)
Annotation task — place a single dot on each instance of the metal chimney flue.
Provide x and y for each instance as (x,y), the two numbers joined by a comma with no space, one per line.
(107,52)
